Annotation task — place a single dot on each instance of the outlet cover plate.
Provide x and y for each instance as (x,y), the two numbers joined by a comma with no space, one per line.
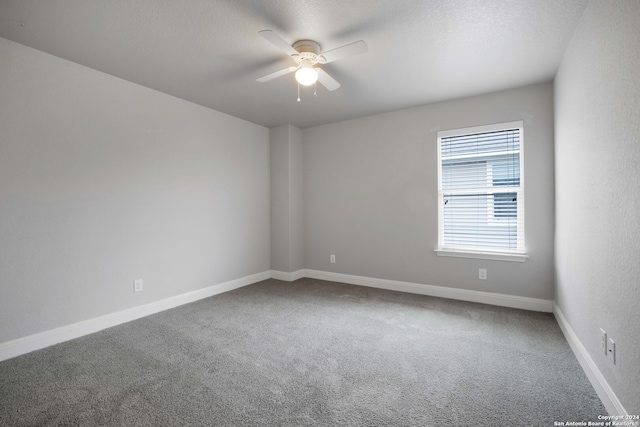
(603,341)
(612,350)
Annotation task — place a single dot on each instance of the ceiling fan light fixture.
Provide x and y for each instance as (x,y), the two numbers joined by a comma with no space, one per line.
(306,75)
(306,54)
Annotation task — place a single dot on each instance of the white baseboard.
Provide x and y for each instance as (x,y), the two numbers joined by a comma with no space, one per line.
(288,277)
(298,275)
(513,301)
(44,339)
(604,391)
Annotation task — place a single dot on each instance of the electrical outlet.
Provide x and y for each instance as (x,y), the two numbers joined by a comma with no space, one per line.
(138,285)
(612,350)
(482,274)
(603,341)
(332,259)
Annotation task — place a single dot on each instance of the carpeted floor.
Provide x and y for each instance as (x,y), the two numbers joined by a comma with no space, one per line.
(307,353)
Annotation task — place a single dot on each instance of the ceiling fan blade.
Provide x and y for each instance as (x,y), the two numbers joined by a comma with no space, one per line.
(352,49)
(326,80)
(278,42)
(276,74)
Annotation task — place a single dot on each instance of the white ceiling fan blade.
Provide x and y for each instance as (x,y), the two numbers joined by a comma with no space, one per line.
(352,49)
(278,42)
(326,80)
(276,74)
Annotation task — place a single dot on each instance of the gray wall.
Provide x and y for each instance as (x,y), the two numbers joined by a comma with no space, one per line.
(297,199)
(103,181)
(287,248)
(370,194)
(597,113)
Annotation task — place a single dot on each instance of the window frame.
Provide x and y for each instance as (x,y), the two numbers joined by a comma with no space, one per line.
(517,255)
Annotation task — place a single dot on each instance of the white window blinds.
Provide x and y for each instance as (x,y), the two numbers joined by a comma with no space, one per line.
(481,196)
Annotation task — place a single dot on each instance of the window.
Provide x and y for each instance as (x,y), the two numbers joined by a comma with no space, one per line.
(480,192)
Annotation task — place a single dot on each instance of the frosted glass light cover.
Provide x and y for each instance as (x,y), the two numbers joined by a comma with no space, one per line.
(306,76)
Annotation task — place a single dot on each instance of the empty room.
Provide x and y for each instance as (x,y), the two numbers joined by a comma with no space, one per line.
(320,212)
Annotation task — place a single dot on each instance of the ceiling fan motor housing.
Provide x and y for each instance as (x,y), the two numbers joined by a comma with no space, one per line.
(309,52)
(307,46)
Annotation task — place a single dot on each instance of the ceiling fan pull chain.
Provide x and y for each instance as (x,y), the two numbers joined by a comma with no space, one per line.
(315,89)
(298,92)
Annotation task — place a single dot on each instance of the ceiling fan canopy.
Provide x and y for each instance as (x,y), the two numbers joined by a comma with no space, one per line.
(307,55)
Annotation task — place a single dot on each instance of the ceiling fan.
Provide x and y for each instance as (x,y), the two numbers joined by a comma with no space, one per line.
(307,55)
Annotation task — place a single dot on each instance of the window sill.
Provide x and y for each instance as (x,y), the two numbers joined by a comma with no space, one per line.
(497,256)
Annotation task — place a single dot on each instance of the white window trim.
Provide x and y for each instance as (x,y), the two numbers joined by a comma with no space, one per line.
(512,256)
(470,253)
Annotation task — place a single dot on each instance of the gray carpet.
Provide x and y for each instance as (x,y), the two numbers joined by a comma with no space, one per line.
(307,353)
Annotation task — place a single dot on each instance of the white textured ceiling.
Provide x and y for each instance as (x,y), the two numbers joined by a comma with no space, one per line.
(209,51)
